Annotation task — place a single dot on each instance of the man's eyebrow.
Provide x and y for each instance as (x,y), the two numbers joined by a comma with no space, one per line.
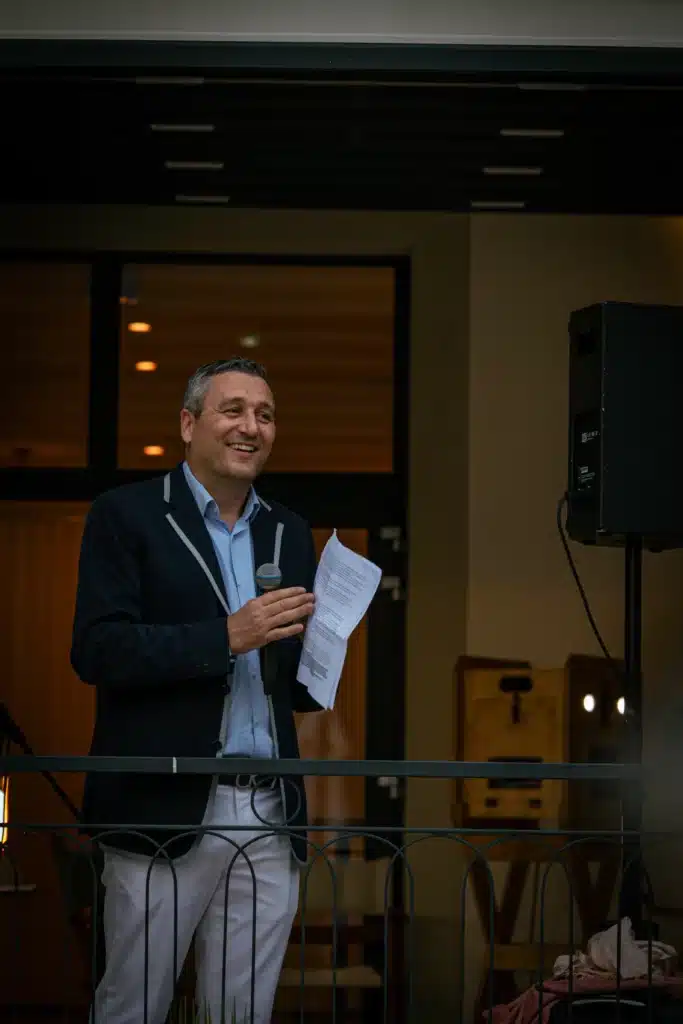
(239,399)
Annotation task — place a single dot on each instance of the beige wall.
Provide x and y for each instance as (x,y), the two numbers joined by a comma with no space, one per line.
(527,274)
(486,568)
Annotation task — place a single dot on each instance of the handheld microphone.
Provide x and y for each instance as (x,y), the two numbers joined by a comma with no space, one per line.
(268,577)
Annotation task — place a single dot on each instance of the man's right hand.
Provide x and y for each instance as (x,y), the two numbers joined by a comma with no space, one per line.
(272,616)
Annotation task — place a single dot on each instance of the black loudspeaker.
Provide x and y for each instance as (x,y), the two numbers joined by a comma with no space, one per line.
(626,425)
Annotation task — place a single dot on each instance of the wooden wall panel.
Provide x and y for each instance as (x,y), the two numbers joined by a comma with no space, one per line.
(45,325)
(326,338)
(39,544)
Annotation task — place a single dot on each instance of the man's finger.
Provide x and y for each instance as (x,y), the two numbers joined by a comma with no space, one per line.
(283,618)
(290,604)
(277,595)
(284,632)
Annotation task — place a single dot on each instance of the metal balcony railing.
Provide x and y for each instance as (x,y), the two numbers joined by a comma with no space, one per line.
(508,913)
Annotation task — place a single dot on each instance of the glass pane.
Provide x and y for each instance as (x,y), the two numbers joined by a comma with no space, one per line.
(45,316)
(325,335)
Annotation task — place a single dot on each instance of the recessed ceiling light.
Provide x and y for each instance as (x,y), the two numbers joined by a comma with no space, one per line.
(194,165)
(153,449)
(532,133)
(139,327)
(250,341)
(146,366)
(529,172)
(183,127)
(497,204)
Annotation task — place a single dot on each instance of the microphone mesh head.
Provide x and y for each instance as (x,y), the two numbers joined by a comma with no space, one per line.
(268,576)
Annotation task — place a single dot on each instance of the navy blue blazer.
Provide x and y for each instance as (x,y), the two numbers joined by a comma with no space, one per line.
(150,635)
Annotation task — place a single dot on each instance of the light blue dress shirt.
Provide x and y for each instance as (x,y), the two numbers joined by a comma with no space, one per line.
(248,726)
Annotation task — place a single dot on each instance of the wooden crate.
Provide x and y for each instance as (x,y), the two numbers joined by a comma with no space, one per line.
(514,715)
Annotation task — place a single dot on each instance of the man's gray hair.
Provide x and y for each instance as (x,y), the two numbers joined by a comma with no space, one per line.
(198,384)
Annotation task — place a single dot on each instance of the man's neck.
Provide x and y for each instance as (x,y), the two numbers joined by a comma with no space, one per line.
(230,495)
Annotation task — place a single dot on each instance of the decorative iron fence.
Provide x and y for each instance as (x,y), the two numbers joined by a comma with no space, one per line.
(535,923)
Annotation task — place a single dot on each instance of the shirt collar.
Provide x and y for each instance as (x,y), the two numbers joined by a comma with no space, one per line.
(207,505)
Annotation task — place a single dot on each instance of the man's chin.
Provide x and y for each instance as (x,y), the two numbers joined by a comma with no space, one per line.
(240,471)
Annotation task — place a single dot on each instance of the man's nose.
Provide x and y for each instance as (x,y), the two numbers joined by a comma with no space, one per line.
(249,424)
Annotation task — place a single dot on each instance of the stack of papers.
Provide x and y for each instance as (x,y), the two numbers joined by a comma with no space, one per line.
(345,584)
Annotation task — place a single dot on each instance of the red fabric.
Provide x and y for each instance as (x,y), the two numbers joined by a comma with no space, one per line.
(524,1009)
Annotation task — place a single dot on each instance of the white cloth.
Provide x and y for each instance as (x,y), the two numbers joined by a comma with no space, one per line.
(602,956)
(200,898)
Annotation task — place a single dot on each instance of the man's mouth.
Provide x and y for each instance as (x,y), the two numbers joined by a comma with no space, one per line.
(240,446)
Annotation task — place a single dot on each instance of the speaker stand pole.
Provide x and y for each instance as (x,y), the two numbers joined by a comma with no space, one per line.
(631,894)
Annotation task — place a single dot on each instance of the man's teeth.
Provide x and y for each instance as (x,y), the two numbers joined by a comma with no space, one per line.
(244,447)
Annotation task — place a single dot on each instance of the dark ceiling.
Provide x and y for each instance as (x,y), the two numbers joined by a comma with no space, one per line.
(581,146)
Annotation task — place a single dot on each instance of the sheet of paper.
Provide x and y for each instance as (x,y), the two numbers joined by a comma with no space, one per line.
(345,584)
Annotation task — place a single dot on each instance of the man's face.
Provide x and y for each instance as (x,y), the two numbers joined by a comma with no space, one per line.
(234,433)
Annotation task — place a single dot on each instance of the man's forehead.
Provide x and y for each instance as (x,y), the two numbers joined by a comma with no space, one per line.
(240,385)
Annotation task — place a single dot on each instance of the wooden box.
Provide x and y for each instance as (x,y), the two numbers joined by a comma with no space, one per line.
(571,714)
(514,715)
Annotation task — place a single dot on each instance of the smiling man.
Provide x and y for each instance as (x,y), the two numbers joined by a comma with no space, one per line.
(169,628)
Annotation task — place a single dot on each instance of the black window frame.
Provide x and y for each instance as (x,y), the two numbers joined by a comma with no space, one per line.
(359,500)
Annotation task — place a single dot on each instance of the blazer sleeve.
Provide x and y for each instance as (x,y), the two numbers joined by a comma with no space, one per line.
(301,698)
(111,645)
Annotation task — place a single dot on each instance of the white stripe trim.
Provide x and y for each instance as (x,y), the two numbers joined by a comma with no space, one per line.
(264,503)
(192,549)
(279,530)
(175,765)
(167,488)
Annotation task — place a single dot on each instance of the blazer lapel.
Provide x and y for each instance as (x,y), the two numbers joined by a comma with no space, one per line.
(263,535)
(186,514)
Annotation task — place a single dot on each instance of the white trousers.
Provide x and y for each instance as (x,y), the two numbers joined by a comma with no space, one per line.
(231,941)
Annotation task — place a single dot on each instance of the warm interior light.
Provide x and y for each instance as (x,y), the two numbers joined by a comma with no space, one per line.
(139,327)
(589,702)
(250,341)
(146,366)
(4,808)
(621,706)
(153,449)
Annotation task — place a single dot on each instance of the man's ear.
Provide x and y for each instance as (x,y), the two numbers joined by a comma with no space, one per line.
(187,421)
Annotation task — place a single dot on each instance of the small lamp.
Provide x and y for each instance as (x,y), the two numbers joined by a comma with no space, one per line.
(4,810)
(5,739)
(10,734)
(4,794)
